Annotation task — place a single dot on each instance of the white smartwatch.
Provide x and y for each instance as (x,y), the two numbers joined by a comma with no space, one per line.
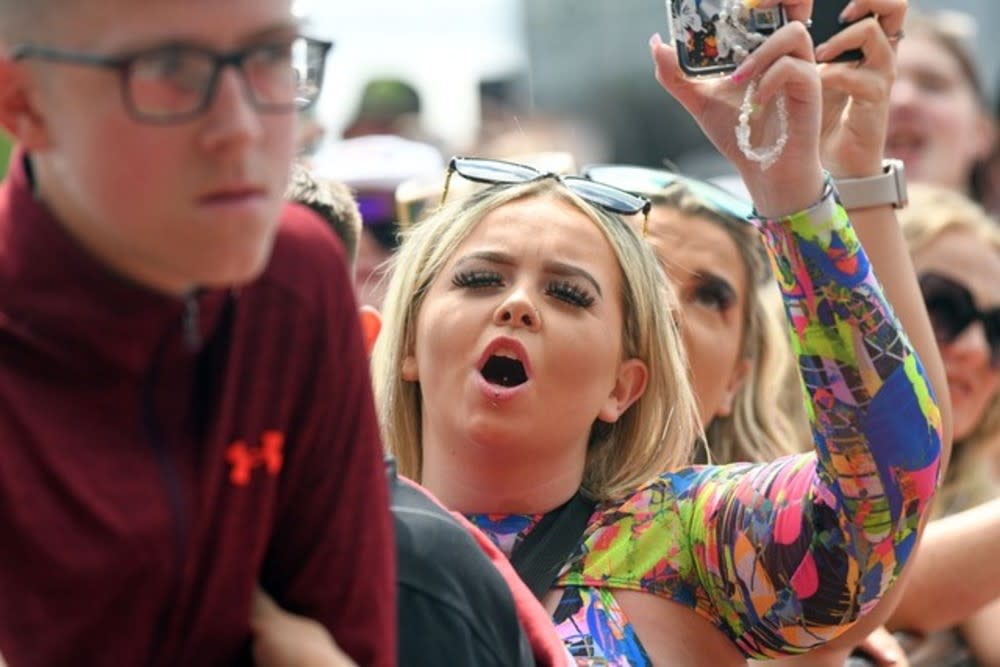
(888,188)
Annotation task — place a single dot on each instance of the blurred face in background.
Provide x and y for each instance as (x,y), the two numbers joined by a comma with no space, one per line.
(937,125)
(960,259)
(376,245)
(704,265)
(370,272)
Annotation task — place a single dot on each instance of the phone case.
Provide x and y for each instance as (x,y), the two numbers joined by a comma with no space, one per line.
(710,34)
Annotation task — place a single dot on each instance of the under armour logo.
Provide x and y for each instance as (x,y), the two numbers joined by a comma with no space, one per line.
(243,459)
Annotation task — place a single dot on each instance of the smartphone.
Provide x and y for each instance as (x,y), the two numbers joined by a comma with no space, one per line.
(826,23)
(709,38)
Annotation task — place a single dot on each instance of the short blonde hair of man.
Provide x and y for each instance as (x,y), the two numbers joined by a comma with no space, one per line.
(933,211)
(655,434)
(332,201)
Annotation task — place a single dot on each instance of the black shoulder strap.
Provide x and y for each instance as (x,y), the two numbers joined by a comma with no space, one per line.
(542,554)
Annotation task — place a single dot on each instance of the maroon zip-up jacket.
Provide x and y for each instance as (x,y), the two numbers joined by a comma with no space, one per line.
(159,457)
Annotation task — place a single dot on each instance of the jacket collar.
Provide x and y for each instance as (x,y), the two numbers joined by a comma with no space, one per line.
(57,297)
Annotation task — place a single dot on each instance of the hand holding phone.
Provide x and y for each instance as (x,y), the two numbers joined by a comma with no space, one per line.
(856,97)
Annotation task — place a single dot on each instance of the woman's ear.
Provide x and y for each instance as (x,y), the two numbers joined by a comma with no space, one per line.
(629,385)
(19,112)
(410,370)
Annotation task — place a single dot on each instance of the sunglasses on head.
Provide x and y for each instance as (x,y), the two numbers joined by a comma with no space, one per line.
(501,172)
(952,310)
(650,182)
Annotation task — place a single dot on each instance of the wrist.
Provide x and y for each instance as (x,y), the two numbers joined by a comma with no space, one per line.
(779,198)
(869,168)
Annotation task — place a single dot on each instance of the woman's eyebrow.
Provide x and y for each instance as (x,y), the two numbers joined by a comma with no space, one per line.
(489,256)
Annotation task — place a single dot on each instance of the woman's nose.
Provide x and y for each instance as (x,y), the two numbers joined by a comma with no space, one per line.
(971,346)
(518,311)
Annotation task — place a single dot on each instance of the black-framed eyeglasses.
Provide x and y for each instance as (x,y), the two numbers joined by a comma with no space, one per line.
(501,172)
(952,310)
(177,82)
(648,182)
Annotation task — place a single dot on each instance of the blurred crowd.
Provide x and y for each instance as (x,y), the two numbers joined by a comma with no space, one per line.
(712,421)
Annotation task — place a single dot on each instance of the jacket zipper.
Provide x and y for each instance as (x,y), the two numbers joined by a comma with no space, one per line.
(156,440)
(192,327)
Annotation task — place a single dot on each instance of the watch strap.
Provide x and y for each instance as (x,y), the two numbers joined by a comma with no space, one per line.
(888,188)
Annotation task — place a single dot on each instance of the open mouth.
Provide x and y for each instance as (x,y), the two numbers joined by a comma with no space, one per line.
(504,371)
(904,142)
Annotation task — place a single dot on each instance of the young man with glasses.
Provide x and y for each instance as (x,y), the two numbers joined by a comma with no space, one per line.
(184,398)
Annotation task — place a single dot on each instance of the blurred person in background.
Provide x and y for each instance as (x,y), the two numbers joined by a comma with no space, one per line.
(373,166)
(939,122)
(955,248)
(387,106)
(991,190)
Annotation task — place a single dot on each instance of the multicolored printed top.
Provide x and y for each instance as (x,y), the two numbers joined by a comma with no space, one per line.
(778,556)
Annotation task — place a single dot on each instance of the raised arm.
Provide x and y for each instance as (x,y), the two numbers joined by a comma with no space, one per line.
(855,121)
(797,550)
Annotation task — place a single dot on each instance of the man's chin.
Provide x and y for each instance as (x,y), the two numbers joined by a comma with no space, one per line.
(236,273)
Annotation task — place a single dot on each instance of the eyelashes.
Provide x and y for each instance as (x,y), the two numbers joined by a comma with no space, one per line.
(477,279)
(563,290)
(570,293)
(714,293)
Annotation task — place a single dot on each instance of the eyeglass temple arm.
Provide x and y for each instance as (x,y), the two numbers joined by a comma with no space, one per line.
(447,184)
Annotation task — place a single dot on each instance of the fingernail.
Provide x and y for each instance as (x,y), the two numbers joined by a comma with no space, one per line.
(655,40)
(822,52)
(847,14)
(742,72)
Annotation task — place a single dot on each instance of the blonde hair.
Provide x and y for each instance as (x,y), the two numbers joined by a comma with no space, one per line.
(756,430)
(655,434)
(933,211)
(332,201)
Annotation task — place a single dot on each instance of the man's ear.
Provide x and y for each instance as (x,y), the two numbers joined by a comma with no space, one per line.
(736,380)
(629,385)
(371,325)
(19,111)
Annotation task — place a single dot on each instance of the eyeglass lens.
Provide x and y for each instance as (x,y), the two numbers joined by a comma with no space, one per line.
(172,82)
(647,182)
(498,171)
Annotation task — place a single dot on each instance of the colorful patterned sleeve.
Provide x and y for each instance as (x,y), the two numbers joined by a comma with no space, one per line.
(785,556)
